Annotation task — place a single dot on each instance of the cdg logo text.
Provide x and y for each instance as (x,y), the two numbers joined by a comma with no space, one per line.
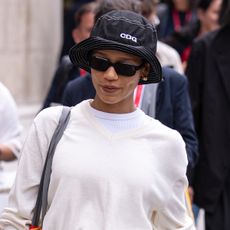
(128,36)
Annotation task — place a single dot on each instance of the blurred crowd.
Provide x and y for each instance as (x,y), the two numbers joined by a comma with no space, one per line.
(193,98)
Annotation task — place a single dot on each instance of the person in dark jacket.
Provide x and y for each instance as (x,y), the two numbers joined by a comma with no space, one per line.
(70,7)
(208,72)
(66,71)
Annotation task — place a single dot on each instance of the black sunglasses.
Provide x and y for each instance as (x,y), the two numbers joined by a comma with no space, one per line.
(102,64)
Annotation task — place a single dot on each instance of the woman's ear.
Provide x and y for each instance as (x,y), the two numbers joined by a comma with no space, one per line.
(145,72)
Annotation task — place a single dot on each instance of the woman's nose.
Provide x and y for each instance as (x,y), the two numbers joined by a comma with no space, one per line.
(110,74)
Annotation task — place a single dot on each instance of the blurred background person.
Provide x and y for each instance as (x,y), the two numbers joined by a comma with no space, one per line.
(173,15)
(167,55)
(207,15)
(10,128)
(66,71)
(208,12)
(208,72)
(70,7)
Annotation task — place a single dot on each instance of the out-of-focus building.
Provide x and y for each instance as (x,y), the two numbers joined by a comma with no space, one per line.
(30,41)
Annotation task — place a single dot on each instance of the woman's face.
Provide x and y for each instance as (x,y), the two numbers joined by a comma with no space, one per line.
(181,5)
(209,18)
(114,92)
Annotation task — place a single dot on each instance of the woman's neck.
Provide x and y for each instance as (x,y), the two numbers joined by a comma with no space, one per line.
(121,107)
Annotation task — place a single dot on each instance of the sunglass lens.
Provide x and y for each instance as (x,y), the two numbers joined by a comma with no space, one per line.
(99,64)
(125,69)
(102,64)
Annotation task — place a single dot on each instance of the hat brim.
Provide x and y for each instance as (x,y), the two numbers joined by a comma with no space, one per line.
(79,55)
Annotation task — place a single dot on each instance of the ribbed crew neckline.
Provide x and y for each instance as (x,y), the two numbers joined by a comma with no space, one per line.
(115,122)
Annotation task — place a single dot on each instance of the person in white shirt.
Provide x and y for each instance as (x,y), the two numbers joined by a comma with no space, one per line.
(10,128)
(114,167)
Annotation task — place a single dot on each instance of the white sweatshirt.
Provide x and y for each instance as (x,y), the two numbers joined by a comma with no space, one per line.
(131,180)
(10,128)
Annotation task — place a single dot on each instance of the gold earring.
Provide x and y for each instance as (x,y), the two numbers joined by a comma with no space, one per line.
(144,78)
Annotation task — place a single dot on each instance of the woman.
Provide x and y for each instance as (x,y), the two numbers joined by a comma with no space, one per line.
(115,167)
(174,15)
(208,12)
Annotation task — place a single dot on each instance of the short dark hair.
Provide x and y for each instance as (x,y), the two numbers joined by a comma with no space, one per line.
(224,17)
(109,5)
(203,4)
(148,7)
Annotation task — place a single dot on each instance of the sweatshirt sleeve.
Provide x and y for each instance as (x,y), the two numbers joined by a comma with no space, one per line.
(22,197)
(11,129)
(175,213)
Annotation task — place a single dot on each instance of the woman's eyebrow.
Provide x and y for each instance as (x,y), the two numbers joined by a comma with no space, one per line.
(122,59)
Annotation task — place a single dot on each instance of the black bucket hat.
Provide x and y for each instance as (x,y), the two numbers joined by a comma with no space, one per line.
(124,31)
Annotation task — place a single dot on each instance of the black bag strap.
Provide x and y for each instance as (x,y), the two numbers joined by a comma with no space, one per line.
(41,202)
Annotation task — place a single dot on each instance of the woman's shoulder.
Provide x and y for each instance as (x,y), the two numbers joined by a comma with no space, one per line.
(169,132)
(168,137)
(155,126)
(169,144)
(50,112)
(48,117)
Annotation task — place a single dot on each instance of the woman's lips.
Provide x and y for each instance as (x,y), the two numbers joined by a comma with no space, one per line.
(109,89)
